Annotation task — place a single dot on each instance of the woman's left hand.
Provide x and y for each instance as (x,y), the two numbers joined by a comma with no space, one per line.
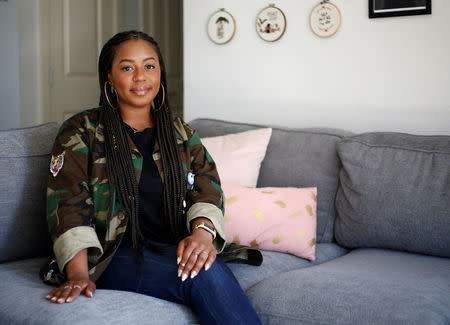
(194,252)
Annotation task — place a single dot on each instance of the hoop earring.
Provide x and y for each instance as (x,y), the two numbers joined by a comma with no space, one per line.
(106,93)
(164,98)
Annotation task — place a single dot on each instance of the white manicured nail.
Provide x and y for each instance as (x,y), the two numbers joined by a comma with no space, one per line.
(47,296)
(54,299)
(184,277)
(193,274)
(178,260)
(207,266)
(60,300)
(179,273)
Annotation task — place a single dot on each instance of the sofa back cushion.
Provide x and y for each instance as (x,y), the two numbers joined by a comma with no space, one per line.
(24,164)
(294,158)
(394,192)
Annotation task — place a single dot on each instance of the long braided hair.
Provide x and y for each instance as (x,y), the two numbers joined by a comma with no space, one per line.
(118,153)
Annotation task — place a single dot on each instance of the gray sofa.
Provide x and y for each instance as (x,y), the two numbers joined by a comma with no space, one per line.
(383,234)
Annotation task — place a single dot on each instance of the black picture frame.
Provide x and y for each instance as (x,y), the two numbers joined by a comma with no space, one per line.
(399,8)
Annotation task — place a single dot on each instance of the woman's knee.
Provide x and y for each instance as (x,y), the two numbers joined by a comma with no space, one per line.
(218,275)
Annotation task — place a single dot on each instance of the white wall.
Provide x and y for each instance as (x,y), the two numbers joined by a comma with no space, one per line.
(9,66)
(386,74)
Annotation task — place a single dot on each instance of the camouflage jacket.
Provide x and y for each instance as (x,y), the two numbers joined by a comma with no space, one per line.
(78,197)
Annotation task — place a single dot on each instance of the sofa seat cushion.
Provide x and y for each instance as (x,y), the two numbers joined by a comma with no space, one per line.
(23,294)
(275,263)
(366,286)
(23,302)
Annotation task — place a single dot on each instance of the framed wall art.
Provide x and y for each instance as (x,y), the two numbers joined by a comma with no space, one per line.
(221,27)
(391,8)
(325,19)
(271,23)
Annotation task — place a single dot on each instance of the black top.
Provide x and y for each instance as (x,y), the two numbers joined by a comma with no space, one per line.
(152,223)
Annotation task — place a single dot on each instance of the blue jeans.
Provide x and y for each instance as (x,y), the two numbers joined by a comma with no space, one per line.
(215,295)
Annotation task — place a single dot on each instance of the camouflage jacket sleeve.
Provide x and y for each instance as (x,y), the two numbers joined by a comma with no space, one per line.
(205,195)
(69,203)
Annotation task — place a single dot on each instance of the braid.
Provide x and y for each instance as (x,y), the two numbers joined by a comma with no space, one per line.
(174,180)
(121,170)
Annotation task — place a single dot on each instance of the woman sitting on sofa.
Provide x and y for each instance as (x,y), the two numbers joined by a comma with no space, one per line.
(134,200)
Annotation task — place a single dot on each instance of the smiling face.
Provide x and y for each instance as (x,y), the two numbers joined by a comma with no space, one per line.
(135,74)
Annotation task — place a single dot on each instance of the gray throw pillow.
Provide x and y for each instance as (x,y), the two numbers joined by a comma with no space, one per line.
(394,192)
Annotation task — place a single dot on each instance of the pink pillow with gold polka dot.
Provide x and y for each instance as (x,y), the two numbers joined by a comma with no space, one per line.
(272,218)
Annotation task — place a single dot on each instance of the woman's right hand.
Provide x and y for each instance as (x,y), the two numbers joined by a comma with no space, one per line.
(78,281)
(71,289)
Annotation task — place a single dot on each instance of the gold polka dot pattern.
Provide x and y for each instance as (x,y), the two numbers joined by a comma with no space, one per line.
(277,239)
(301,233)
(295,215)
(231,200)
(281,204)
(258,214)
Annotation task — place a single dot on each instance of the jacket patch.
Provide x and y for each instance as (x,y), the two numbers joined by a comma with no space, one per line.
(56,163)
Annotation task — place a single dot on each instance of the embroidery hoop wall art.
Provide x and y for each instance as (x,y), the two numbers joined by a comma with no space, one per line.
(221,26)
(271,23)
(325,19)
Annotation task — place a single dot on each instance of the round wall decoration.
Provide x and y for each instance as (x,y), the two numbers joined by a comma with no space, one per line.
(325,19)
(221,27)
(271,23)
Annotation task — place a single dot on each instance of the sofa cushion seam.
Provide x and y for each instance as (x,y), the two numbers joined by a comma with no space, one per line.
(292,317)
(30,156)
(391,147)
